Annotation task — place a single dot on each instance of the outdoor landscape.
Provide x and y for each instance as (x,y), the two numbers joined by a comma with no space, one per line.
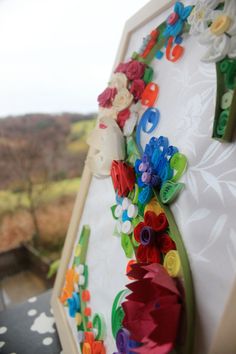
(41,160)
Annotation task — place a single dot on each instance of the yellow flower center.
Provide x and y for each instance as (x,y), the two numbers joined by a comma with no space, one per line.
(220,25)
(200,14)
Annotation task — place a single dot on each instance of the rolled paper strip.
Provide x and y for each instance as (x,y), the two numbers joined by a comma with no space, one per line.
(153,206)
(146,177)
(98,347)
(171,150)
(127,245)
(81,280)
(132,211)
(87,311)
(73,304)
(125,216)
(179,163)
(150,94)
(89,337)
(76,287)
(80,269)
(155,181)
(141,254)
(86,348)
(230,78)
(122,340)
(143,166)
(178,39)
(224,66)
(134,242)
(148,74)
(89,325)
(137,231)
(85,295)
(85,282)
(169,191)
(78,319)
(220,25)
(227,99)
(118,211)
(147,235)
(173,18)
(158,223)
(127,227)
(222,123)
(172,264)
(99,325)
(166,243)
(125,204)
(173,53)
(78,250)
(117,314)
(145,195)
(119,226)
(129,268)
(80,336)
(159,54)
(147,124)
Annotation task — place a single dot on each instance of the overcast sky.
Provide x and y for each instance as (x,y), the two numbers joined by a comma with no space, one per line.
(56,55)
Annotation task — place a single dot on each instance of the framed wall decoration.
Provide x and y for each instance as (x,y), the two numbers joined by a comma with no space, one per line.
(149,261)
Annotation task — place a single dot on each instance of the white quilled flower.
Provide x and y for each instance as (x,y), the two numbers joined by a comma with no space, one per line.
(220,37)
(202,15)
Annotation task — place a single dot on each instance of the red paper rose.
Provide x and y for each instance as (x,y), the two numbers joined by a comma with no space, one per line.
(166,243)
(121,68)
(135,70)
(122,117)
(123,178)
(153,241)
(153,309)
(106,97)
(137,87)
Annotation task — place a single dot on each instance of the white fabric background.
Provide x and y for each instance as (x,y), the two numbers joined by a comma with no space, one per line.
(205,210)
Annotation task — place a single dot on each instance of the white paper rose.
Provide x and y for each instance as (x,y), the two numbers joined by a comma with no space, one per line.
(122,100)
(118,80)
(220,37)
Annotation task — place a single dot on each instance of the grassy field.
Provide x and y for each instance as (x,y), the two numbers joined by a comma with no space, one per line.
(78,135)
(11,201)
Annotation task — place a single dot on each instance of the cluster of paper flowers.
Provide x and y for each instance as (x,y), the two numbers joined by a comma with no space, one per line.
(152,317)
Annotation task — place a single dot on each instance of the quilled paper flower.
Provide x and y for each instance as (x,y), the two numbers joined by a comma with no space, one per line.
(124,212)
(177,19)
(172,263)
(135,70)
(122,117)
(123,178)
(153,239)
(121,68)
(122,100)
(106,98)
(119,81)
(220,37)
(202,15)
(152,317)
(137,87)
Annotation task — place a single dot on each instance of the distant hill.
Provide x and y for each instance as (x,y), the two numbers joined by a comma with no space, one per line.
(42,144)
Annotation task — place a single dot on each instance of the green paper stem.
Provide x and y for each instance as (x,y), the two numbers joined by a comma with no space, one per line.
(188,284)
(117,313)
(83,241)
